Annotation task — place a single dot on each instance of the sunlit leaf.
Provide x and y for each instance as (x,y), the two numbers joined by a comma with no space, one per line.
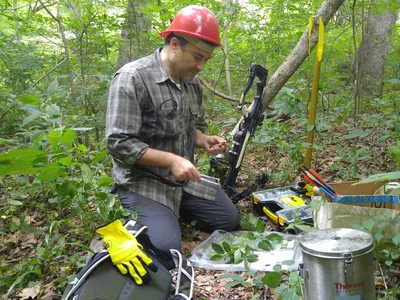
(105,181)
(272,279)
(68,137)
(87,174)
(380,177)
(29,99)
(54,137)
(100,156)
(66,161)
(51,172)
(53,87)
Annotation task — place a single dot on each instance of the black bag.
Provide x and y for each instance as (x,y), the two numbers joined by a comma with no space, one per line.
(101,280)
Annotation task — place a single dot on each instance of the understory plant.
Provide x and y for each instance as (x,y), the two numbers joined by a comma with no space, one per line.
(383,229)
(53,174)
(241,250)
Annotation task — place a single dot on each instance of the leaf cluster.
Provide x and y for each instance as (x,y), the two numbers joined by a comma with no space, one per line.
(386,237)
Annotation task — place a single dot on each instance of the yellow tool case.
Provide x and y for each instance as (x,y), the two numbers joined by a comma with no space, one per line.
(282,206)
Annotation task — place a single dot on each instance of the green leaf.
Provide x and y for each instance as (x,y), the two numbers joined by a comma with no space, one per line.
(100,156)
(380,177)
(379,235)
(29,100)
(216,257)
(237,256)
(369,224)
(226,246)
(234,277)
(265,245)
(54,137)
(87,174)
(260,226)
(288,262)
(217,248)
(251,236)
(37,136)
(274,237)
(53,87)
(232,284)
(68,137)
(16,167)
(272,279)
(287,294)
(383,224)
(18,162)
(31,118)
(380,218)
(396,238)
(105,181)
(66,161)
(51,172)
(358,133)
(395,192)
(15,203)
(27,155)
(53,110)
(16,282)
(310,127)
(246,284)
(110,201)
(277,268)
(82,147)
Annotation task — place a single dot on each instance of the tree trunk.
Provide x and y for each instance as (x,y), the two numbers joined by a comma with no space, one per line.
(299,53)
(231,12)
(227,70)
(66,48)
(374,47)
(134,28)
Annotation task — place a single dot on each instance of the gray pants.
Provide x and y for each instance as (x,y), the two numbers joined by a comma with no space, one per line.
(163,225)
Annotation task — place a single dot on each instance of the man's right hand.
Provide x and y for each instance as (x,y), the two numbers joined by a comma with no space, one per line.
(180,167)
(183,169)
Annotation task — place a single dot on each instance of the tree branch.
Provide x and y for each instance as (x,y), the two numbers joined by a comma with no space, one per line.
(299,53)
(214,91)
(45,75)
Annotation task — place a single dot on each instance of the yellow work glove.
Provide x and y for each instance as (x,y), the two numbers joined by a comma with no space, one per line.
(125,252)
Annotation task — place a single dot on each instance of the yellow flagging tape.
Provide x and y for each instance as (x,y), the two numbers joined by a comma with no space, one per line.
(320,44)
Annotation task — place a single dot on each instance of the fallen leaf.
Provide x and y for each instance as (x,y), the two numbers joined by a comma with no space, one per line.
(28,241)
(30,292)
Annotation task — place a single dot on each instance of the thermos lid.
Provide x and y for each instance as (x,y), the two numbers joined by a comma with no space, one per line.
(334,242)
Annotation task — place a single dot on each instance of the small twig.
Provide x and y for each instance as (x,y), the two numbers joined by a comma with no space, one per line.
(51,70)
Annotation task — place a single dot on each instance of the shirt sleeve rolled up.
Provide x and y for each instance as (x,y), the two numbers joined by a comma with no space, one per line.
(124,119)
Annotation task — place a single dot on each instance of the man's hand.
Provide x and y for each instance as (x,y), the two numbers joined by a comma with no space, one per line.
(211,143)
(214,144)
(183,169)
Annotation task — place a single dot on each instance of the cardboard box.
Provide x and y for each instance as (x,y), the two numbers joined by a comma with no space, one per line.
(364,195)
(354,205)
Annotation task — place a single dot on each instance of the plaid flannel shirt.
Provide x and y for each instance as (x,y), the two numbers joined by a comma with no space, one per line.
(146,109)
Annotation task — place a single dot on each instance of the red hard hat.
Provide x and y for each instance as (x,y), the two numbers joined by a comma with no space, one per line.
(196,21)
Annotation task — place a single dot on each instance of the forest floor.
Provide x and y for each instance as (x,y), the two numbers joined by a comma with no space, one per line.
(17,246)
(209,287)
